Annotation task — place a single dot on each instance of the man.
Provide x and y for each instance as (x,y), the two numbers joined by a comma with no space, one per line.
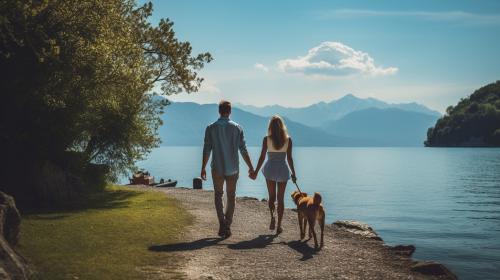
(224,138)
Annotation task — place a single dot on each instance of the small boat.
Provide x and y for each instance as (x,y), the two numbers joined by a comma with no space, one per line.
(165,184)
(142,178)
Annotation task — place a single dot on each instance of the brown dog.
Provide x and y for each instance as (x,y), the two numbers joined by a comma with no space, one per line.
(310,209)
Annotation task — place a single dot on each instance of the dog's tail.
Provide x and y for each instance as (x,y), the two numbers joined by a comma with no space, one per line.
(317,199)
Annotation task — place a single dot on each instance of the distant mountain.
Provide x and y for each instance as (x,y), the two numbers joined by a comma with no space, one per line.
(319,114)
(185,123)
(387,127)
(474,121)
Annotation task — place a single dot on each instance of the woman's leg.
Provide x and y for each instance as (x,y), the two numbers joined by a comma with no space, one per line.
(271,189)
(281,203)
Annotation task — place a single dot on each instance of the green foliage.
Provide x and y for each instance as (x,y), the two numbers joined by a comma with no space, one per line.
(76,77)
(474,121)
(105,236)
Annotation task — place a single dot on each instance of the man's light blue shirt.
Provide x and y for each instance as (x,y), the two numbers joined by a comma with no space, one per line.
(224,138)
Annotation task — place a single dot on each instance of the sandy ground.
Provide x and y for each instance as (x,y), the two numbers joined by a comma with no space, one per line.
(254,252)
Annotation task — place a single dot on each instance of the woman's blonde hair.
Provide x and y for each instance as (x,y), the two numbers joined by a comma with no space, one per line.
(277,131)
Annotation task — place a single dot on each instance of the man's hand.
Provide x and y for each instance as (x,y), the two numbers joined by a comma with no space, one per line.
(203,174)
(250,173)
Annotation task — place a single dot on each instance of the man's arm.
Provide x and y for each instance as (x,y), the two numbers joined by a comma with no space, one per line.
(203,173)
(244,151)
(207,149)
(248,161)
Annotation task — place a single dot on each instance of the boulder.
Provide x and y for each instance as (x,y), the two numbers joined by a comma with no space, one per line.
(10,220)
(12,265)
(358,228)
(433,268)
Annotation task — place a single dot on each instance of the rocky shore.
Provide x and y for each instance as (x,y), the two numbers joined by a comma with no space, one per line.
(352,250)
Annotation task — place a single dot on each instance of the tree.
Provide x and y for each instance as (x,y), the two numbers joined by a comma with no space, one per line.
(77,82)
(474,121)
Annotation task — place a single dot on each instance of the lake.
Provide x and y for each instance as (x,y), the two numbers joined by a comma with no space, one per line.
(445,201)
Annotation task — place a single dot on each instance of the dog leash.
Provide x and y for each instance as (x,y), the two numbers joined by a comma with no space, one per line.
(297,187)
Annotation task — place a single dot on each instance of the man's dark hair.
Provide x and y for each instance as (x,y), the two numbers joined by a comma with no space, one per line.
(224,107)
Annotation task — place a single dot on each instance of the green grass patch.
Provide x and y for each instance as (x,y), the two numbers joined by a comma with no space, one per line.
(105,236)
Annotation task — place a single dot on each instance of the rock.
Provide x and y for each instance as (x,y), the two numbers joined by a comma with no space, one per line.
(12,265)
(9,218)
(358,228)
(248,198)
(264,200)
(197,183)
(433,268)
(403,250)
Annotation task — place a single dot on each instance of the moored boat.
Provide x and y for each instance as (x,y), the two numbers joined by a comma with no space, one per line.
(165,184)
(142,178)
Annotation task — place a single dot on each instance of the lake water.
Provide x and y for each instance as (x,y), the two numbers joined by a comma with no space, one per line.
(444,201)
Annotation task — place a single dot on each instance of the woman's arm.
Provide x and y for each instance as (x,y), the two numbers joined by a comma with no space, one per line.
(289,158)
(262,155)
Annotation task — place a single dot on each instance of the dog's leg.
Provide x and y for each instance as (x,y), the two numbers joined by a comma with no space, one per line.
(311,228)
(304,220)
(312,222)
(302,233)
(322,226)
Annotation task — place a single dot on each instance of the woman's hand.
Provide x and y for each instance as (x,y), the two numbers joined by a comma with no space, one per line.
(294,178)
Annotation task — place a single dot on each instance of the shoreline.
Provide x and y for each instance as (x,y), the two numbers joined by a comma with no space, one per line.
(355,238)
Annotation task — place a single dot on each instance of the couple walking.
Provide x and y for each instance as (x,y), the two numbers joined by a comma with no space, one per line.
(223,139)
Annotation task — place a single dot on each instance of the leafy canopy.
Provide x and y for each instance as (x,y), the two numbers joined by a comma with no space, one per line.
(77,78)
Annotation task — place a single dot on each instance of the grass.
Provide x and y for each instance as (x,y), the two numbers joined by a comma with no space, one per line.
(105,236)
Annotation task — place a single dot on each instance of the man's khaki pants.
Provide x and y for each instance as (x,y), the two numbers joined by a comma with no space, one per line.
(225,219)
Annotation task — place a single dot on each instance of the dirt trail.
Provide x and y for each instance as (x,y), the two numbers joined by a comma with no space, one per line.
(254,252)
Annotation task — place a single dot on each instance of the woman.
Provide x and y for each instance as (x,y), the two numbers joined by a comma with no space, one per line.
(278,146)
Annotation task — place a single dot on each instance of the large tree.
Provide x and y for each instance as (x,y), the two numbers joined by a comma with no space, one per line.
(77,80)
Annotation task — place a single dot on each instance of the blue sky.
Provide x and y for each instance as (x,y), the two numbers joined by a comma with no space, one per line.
(295,53)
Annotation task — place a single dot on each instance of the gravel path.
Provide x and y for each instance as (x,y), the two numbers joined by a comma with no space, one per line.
(254,252)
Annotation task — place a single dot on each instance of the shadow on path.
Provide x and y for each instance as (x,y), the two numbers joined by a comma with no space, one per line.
(186,246)
(303,248)
(260,241)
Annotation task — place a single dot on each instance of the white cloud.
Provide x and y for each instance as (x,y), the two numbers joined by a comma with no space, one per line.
(208,86)
(261,67)
(334,59)
(459,16)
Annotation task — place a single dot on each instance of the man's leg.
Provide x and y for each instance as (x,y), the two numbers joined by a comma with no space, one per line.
(218,193)
(231,196)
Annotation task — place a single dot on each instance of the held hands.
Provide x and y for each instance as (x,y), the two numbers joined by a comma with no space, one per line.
(252,174)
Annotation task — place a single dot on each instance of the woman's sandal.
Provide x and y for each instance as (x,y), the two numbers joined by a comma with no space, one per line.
(279,230)
(273,223)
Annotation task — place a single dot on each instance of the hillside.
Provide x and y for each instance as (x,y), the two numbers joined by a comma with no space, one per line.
(474,121)
(385,127)
(322,113)
(185,123)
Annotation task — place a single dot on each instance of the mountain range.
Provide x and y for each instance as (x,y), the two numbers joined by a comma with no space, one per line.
(349,121)
(322,113)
